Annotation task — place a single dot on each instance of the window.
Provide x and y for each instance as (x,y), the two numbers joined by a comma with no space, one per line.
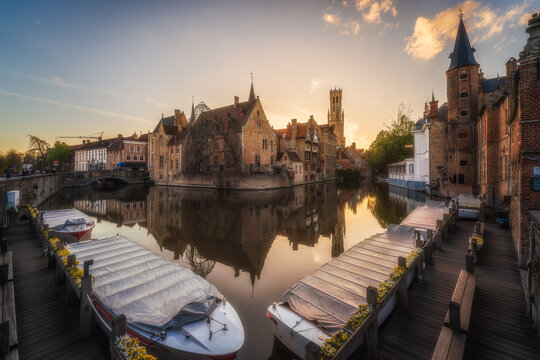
(138,149)
(176,164)
(171,164)
(258,160)
(128,158)
(271,145)
(462,135)
(161,141)
(258,113)
(131,147)
(258,124)
(161,163)
(463,112)
(463,75)
(141,157)
(464,95)
(265,144)
(411,168)
(463,163)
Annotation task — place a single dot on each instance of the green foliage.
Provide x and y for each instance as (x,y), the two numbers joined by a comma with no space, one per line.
(59,152)
(389,146)
(349,175)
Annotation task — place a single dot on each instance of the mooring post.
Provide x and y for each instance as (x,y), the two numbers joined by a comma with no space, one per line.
(446,224)
(420,262)
(85,317)
(44,237)
(429,248)
(70,292)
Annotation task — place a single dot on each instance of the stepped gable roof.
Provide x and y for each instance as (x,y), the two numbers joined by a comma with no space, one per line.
(237,116)
(494,84)
(167,121)
(292,155)
(463,51)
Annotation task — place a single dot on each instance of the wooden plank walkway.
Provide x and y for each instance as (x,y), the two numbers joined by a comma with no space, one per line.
(499,327)
(47,329)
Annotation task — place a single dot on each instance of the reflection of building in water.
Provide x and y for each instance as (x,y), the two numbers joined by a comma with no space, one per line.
(237,229)
(120,212)
(390,205)
(408,199)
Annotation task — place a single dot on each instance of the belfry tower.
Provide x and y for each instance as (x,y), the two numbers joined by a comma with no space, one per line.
(336,116)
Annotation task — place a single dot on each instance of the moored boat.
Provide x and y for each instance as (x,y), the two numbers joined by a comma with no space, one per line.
(70,225)
(168,307)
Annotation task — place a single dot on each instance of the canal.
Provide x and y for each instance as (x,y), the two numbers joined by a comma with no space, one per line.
(252,245)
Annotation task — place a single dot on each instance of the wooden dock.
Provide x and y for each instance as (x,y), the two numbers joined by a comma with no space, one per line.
(499,327)
(47,329)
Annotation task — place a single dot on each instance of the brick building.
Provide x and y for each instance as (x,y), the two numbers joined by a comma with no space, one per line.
(336,116)
(234,139)
(165,148)
(128,153)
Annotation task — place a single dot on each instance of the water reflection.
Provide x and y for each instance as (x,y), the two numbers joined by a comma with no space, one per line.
(252,245)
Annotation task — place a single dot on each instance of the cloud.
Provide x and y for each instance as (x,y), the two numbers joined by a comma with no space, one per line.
(350,28)
(373,10)
(315,84)
(72,106)
(157,103)
(331,19)
(431,36)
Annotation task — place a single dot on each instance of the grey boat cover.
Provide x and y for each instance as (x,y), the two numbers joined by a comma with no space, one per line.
(468,201)
(331,294)
(147,288)
(58,219)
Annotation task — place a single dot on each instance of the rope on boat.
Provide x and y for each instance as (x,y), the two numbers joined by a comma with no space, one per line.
(208,320)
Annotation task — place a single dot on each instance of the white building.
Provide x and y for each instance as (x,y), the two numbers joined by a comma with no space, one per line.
(401,174)
(421,154)
(91,155)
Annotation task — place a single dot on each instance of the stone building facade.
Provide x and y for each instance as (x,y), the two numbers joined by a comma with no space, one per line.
(336,116)
(165,149)
(128,153)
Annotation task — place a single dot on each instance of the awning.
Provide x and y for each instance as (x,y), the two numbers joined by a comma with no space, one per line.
(121,164)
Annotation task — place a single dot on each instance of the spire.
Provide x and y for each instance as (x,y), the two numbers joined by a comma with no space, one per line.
(432,95)
(192,117)
(463,51)
(251,92)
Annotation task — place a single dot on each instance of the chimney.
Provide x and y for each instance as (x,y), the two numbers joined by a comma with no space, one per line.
(293,122)
(311,117)
(84,142)
(433,108)
(236,100)
(511,66)
(353,145)
(120,136)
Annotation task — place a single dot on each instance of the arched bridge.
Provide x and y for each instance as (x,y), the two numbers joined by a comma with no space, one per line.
(107,177)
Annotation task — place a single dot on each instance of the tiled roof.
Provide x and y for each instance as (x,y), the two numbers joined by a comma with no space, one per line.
(169,120)
(292,155)
(494,84)
(170,129)
(463,51)
(237,116)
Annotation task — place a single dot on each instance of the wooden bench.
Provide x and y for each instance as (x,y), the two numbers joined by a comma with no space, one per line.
(453,336)
(8,324)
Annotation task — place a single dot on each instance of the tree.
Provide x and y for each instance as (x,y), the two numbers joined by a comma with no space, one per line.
(13,158)
(60,152)
(39,146)
(389,145)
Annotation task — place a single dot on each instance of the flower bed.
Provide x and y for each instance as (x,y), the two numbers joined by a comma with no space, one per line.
(332,344)
(73,270)
(131,349)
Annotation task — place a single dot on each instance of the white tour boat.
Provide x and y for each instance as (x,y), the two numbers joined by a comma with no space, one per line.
(168,307)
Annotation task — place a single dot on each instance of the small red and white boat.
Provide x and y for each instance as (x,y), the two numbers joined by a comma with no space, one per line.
(68,225)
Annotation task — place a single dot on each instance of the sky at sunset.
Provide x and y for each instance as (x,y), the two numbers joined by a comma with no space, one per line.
(81,68)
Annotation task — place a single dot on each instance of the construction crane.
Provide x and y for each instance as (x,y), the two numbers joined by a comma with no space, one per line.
(81,137)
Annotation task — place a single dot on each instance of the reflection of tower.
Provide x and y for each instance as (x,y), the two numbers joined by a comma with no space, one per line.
(339,232)
(199,264)
(336,116)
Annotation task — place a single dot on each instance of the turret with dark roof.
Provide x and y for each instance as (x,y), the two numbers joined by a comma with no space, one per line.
(251,91)
(463,51)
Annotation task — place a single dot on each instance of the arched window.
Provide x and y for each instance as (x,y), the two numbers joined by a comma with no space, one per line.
(138,149)
(128,157)
(134,157)
(141,157)
(161,141)
(131,148)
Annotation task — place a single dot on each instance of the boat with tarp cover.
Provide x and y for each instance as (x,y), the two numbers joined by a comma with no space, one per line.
(320,305)
(167,306)
(69,224)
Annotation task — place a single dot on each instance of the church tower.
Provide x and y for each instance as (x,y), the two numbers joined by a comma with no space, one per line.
(462,87)
(336,117)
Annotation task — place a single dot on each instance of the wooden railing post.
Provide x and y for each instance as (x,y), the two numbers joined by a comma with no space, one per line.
(419,244)
(446,222)
(86,308)
(438,235)
(43,237)
(118,326)
(469,263)
(60,276)
(402,297)
(371,296)
(70,292)
(429,248)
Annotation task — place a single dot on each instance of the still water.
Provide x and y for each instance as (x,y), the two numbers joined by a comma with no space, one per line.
(252,245)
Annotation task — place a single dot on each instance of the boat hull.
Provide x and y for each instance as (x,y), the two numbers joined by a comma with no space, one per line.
(73,236)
